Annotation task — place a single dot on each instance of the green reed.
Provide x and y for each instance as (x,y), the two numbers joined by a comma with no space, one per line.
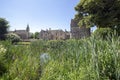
(85,59)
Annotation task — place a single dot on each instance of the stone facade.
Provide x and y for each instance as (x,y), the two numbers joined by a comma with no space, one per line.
(75,33)
(78,32)
(54,35)
(24,34)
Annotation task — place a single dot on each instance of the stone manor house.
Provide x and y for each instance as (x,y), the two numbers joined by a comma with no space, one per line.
(75,32)
(54,35)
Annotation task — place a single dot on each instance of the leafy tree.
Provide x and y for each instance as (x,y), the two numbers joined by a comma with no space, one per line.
(3,28)
(32,35)
(102,13)
(36,35)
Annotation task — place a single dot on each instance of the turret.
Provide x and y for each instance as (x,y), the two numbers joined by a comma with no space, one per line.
(27,28)
(74,23)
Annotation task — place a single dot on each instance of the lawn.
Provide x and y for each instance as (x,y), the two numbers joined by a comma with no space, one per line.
(23,43)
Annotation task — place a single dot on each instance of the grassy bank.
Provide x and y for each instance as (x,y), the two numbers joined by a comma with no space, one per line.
(86,59)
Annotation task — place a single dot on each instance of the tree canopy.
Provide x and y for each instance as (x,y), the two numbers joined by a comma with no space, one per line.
(3,28)
(102,13)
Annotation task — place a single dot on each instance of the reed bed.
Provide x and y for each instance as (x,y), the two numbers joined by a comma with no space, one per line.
(85,59)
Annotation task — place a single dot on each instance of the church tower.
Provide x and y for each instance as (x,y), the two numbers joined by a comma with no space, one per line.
(27,28)
(28,31)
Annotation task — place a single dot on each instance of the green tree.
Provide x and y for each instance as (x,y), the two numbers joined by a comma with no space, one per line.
(102,13)
(3,28)
(31,35)
(36,35)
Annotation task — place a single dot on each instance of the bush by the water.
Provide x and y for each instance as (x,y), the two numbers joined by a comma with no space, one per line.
(103,33)
(85,59)
(13,37)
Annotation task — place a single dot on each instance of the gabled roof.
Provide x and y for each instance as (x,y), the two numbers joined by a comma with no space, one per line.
(20,31)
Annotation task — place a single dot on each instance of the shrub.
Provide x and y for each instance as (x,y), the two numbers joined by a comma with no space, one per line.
(13,37)
(103,33)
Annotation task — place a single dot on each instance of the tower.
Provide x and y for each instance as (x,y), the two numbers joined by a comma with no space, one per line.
(78,32)
(27,28)
(27,31)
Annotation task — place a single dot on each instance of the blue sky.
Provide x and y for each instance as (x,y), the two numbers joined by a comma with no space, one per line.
(39,14)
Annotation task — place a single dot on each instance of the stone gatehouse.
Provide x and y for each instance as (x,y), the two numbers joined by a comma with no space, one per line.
(78,32)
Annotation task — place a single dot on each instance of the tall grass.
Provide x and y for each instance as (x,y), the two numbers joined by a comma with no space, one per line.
(21,63)
(85,59)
